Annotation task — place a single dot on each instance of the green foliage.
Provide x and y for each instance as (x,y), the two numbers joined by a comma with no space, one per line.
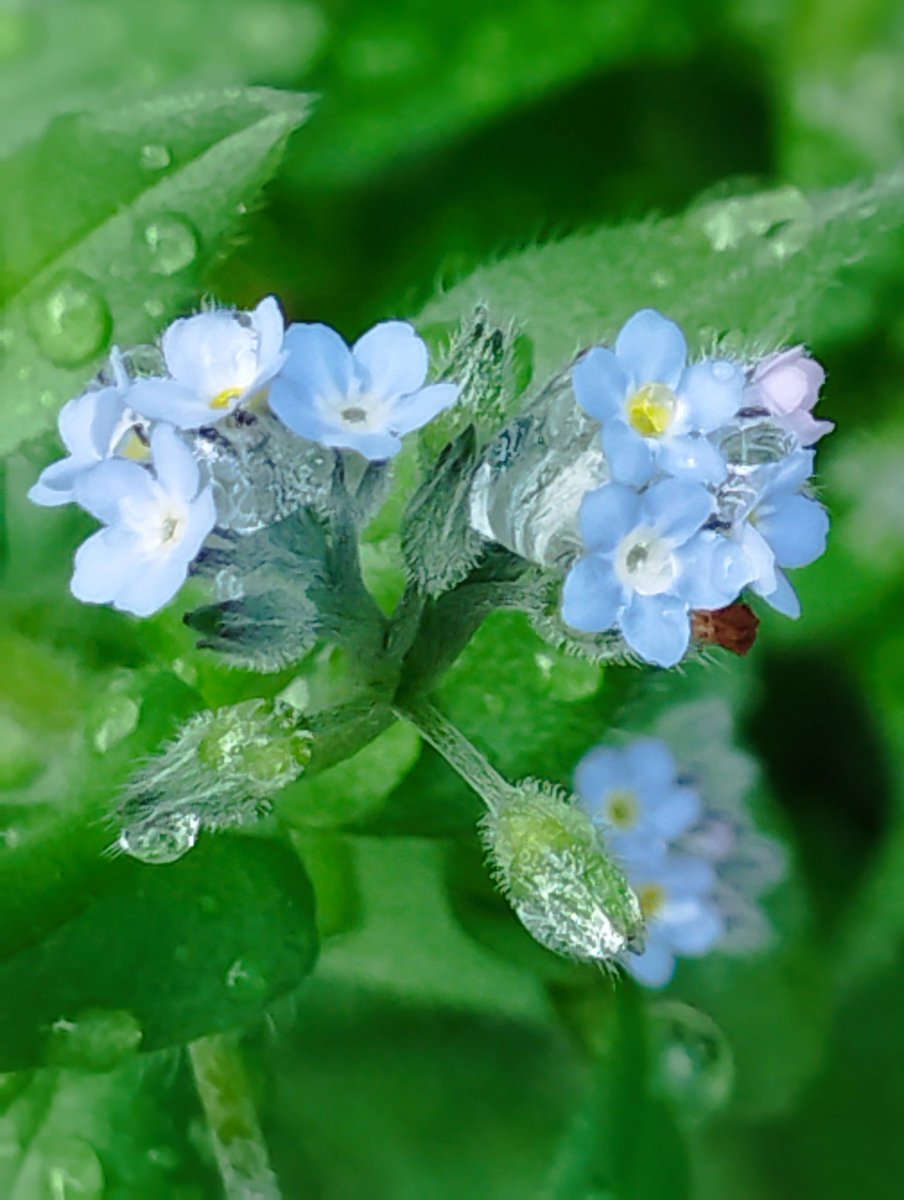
(109,220)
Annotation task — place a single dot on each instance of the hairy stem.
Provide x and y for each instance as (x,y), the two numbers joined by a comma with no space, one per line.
(238,1143)
(458,752)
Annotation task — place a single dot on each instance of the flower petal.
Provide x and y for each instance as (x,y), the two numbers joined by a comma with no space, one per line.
(693,458)
(600,383)
(629,457)
(174,464)
(652,349)
(55,483)
(167,400)
(651,764)
(607,515)
(655,967)
(270,327)
(677,509)
(153,585)
(210,353)
(713,391)
(796,528)
(596,775)
(394,359)
(592,595)
(783,597)
(104,564)
(103,490)
(677,810)
(377,447)
(694,927)
(318,371)
(657,628)
(415,410)
(714,570)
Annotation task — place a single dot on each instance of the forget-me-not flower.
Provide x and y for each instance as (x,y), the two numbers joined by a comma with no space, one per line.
(677,897)
(362,398)
(93,427)
(216,361)
(649,561)
(787,385)
(154,525)
(779,528)
(634,794)
(655,408)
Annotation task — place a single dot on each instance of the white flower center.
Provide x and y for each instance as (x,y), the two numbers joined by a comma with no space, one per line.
(361,413)
(644,562)
(652,409)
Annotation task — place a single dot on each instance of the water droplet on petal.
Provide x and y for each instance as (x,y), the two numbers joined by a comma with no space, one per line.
(155,157)
(171,243)
(69,319)
(95,1040)
(691,1061)
(161,841)
(68,1169)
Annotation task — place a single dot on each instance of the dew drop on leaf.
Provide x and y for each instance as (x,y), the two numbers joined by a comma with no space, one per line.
(69,319)
(154,157)
(95,1040)
(692,1064)
(115,718)
(161,841)
(171,243)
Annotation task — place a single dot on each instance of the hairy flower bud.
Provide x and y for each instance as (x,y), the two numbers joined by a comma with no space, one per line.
(553,866)
(221,770)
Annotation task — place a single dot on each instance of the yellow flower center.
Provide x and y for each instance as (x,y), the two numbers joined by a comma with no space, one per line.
(622,809)
(132,447)
(651,409)
(651,898)
(224,399)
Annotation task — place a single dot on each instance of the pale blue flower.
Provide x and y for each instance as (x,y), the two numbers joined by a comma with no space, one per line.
(677,895)
(655,409)
(635,795)
(93,427)
(362,398)
(155,522)
(216,361)
(778,527)
(649,562)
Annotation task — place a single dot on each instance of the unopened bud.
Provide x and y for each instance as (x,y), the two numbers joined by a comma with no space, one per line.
(552,864)
(734,627)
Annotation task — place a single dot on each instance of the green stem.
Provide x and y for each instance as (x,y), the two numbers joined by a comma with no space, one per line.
(458,752)
(238,1143)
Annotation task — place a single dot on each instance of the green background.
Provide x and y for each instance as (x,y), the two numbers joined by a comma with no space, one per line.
(435,1051)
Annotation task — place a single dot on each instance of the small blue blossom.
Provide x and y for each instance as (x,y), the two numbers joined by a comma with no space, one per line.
(216,361)
(93,427)
(154,525)
(364,398)
(649,561)
(677,894)
(655,408)
(779,527)
(635,796)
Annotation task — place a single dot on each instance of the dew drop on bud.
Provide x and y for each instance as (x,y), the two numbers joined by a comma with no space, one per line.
(691,1061)
(162,841)
(95,1040)
(69,319)
(170,242)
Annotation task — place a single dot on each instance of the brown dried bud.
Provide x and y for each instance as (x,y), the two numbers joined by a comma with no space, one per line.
(734,628)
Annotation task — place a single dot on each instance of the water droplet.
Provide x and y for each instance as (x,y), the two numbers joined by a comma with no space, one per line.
(143,360)
(527,492)
(69,319)
(95,1040)
(171,243)
(691,1061)
(162,841)
(116,718)
(661,279)
(727,223)
(752,440)
(68,1170)
(154,308)
(155,157)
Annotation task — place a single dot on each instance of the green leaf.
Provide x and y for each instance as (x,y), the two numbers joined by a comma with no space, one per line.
(763,268)
(86,55)
(198,946)
(102,247)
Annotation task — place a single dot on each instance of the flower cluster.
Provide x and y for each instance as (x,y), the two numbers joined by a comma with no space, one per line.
(689,864)
(708,467)
(136,439)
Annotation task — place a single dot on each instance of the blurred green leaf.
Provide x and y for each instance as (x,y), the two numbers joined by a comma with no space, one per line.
(85,54)
(194,947)
(754,269)
(108,223)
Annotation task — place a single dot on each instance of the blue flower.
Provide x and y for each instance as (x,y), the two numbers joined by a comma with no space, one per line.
(155,523)
(779,527)
(216,361)
(677,894)
(649,562)
(653,407)
(634,794)
(93,427)
(364,398)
